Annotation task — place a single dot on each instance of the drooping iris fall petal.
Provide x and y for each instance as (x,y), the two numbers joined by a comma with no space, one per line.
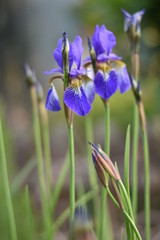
(76,100)
(52,101)
(106,83)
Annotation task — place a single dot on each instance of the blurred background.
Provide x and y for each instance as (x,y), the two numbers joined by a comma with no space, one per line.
(29,31)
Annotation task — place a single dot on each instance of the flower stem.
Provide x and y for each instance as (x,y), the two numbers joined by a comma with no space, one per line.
(38,144)
(105,210)
(72,173)
(130,220)
(6,186)
(46,144)
(147,184)
(135,161)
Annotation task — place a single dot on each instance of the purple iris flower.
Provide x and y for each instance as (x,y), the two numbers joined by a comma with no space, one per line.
(80,91)
(111,72)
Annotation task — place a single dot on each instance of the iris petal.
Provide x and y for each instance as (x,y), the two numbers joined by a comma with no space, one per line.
(122,74)
(52,101)
(107,39)
(54,70)
(58,54)
(76,100)
(77,50)
(124,81)
(106,83)
(96,42)
(89,89)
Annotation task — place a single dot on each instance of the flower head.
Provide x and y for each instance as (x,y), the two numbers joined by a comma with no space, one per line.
(111,73)
(79,89)
(132,26)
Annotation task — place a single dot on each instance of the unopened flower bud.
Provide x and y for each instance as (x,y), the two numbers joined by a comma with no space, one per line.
(30,75)
(105,162)
(65,56)
(132,27)
(136,88)
(40,94)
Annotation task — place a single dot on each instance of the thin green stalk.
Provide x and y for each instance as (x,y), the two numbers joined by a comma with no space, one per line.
(38,144)
(21,177)
(72,173)
(147,184)
(59,183)
(126,161)
(84,199)
(128,231)
(29,215)
(6,186)
(126,197)
(135,160)
(104,210)
(130,220)
(46,144)
(89,137)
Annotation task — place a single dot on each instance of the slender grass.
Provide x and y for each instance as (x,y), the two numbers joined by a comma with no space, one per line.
(46,144)
(72,173)
(126,215)
(89,137)
(39,154)
(21,177)
(126,161)
(29,215)
(104,210)
(135,160)
(59,183)
(11,218)
(147,185)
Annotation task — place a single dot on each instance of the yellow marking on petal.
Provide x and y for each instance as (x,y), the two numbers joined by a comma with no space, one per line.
(76,82)
(104,67)
(117,64)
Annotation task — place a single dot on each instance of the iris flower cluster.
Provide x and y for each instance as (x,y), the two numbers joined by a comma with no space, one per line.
(81,87)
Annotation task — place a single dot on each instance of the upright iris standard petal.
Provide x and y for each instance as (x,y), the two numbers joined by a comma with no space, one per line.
(76,100)
(77,50)
(54,70)
(58,54)
(96,42)
(89,89)
(52,101)
(107,39)
(106,83)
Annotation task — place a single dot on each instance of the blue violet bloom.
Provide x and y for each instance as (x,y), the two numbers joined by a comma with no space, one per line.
(111,72)
(80,91)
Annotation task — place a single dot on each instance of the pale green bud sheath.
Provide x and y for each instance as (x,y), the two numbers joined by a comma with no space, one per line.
(65,57)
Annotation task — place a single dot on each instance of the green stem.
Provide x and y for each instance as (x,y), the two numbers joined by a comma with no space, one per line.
(104,208)
(46,144)
(38,144)
(6,186)
(130,220)
(30,217)
(89,137)
(147,184)
(72,174)
(135,161)
(126,161)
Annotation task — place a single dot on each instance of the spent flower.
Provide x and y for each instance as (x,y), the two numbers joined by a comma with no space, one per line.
(79,90)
